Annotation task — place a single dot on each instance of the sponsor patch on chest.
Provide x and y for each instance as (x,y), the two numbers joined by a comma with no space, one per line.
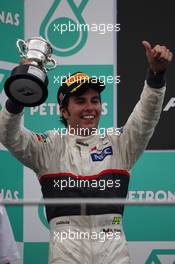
(99,156)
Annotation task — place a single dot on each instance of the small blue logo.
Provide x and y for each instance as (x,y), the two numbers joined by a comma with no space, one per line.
(100,156)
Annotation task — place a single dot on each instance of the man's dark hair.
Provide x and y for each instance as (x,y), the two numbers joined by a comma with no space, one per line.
(65,102)
(65,106)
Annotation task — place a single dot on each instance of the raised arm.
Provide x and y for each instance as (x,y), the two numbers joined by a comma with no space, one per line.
(145,116)
(28,147)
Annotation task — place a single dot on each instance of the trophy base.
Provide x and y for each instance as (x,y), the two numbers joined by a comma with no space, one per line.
(27,85)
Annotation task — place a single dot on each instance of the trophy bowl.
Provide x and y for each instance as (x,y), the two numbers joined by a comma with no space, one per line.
(27,84)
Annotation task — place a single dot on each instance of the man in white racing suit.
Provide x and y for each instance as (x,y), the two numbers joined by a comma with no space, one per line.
(88,165)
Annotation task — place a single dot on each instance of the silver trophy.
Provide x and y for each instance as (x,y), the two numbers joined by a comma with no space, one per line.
(28,83)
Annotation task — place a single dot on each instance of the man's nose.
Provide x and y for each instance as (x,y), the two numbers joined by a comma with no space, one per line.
(89,106)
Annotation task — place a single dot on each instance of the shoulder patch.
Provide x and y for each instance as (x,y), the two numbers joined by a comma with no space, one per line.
(42,137)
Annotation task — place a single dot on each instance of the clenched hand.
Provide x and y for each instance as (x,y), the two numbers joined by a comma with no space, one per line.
(158,57)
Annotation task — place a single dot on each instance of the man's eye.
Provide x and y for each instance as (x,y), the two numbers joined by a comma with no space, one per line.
(95,101)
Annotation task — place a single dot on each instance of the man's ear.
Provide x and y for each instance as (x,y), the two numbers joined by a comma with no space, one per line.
(63,112)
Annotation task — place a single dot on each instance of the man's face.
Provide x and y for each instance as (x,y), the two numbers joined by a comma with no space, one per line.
(83,110)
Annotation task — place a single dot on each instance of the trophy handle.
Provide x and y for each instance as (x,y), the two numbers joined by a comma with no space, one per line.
(21,45)
(54,64)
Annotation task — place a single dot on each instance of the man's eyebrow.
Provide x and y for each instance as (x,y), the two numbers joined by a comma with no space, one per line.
(96,97)
(79,97)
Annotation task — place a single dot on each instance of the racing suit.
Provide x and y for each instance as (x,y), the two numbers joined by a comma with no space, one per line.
(82,167)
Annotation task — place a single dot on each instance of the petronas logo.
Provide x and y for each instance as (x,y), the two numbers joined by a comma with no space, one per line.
(42,216)
(64,27)
(3,75)
(156,254)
